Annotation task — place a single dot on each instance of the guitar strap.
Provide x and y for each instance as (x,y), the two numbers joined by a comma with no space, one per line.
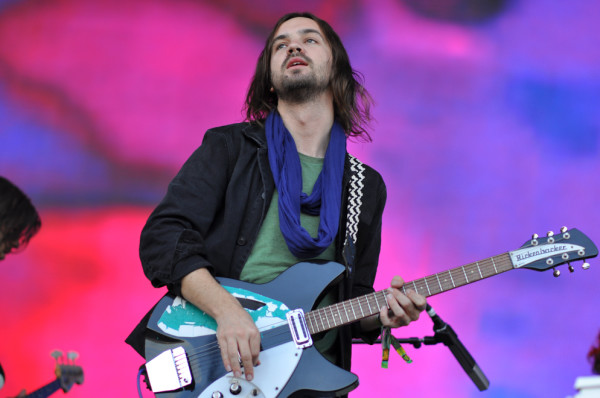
(355,195)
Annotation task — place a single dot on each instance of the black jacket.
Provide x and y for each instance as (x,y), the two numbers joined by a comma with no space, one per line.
(214,208)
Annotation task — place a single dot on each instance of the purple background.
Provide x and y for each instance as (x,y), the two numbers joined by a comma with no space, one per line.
(487,131)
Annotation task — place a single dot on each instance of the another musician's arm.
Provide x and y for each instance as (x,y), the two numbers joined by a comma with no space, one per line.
(237,334)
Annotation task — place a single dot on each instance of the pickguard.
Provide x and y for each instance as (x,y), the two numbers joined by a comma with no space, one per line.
(276,368)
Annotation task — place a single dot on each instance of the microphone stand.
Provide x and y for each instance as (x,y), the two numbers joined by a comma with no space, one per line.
(443,333)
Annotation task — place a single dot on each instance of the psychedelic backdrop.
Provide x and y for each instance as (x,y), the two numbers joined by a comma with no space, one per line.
(486,132)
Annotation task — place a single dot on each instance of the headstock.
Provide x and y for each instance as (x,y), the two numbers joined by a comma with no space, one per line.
(541,254)
(66,371)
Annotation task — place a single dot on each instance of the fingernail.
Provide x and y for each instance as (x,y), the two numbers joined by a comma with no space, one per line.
(249,377)
(228,368)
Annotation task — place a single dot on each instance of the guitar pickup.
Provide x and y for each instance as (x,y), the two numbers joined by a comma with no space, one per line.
(298,328)
(169,371)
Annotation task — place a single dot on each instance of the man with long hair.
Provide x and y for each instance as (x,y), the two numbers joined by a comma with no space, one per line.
(258,197)
(19,220)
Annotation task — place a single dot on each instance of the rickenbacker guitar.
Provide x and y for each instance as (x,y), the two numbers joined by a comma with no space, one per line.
(184,360)
(67,374)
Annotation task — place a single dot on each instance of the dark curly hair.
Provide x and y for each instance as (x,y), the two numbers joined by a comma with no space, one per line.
(19,220)
(352,102)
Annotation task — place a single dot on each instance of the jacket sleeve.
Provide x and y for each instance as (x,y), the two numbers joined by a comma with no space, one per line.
(172,241)
(367,254)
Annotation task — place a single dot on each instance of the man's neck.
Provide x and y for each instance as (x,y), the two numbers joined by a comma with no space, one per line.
(309,124)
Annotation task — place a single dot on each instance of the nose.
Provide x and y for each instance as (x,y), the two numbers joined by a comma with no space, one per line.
(294,48)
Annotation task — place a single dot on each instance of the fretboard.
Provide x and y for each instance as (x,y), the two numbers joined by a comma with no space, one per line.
(365,306)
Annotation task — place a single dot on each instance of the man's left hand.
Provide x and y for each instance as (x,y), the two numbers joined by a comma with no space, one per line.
(403,308)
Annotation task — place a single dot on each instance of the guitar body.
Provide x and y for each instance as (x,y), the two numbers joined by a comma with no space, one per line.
(284,369)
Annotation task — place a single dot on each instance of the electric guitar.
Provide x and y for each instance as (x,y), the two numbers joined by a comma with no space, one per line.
(184,360)
(67,374)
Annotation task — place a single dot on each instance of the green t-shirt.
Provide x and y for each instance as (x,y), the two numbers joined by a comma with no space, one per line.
(270,255)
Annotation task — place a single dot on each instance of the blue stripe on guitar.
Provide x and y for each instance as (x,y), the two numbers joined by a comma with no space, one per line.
(183,319)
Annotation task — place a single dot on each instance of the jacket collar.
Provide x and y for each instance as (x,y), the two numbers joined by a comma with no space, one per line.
(256,133)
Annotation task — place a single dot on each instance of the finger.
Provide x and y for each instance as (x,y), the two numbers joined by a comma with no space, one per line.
(407,305)
(255,348)
(399,317)
(397,282)
(224,355)
(418,300)
(246,359)
(234,357)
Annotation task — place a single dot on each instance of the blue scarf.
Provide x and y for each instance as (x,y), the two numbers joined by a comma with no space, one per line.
(325,199)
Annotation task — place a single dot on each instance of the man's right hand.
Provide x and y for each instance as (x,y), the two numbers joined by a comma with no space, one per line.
(237,335)
(239,340)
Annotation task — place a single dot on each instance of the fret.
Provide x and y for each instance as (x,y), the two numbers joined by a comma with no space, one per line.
(384,294)
(451,279)
(377,302)
(466,277)
(489,268)
(427,286)
(321,318)
(439,283)
(479,269)
(415,286)
(345,311)
(432,284)
(332,315)
(471,272)
(494,264)
(361,310)
(339,307)
(309,321)
(369,305)
(353,313)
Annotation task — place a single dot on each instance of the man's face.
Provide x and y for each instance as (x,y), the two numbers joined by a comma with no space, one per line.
(300,61)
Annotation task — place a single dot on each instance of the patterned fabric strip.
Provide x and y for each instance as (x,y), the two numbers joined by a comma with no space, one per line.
(354,198)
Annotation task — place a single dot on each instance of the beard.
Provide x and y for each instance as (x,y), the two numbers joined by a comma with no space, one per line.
(298,89)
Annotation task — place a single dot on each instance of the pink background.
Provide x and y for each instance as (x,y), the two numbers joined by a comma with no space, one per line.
(487,131)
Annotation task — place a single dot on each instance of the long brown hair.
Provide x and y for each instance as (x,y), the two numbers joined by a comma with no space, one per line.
(352,102)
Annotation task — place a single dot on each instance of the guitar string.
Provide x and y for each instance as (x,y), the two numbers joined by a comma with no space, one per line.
(198,353)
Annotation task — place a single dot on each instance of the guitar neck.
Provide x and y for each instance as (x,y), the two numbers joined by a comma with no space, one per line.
(349,311)
(46,391)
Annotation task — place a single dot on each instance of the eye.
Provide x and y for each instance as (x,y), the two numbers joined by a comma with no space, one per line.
(280,46)
(311,40)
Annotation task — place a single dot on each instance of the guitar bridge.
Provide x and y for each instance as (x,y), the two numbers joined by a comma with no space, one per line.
(169,371)
(298,328)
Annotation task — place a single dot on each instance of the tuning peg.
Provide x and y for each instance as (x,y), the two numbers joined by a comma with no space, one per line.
(56,354)
(585,265)
(534,236)
(550,233)
(72,355)
(563,229)
(571,269)
(556,273)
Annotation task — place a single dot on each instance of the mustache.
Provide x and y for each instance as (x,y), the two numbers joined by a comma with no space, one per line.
(295,55)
